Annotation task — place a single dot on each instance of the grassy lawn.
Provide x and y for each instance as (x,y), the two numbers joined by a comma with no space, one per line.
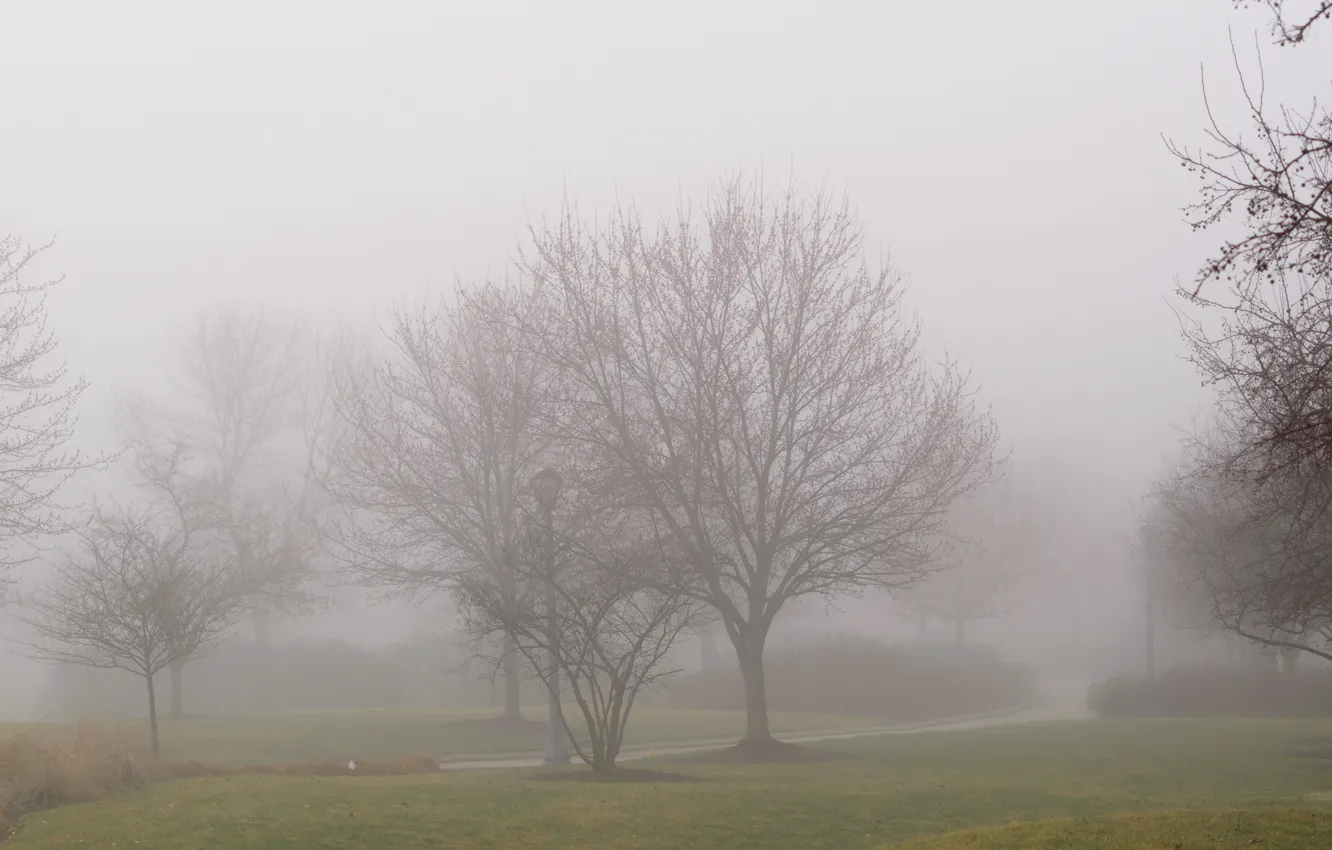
(1282,829)
(895,789)
(279,739)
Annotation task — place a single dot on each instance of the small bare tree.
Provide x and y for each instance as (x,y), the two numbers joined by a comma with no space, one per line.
(621,605)
(37,401)
(136,598)
(439,441)
(759,394)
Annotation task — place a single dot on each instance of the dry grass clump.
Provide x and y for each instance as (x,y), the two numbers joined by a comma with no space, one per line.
(50,766)
(46,766)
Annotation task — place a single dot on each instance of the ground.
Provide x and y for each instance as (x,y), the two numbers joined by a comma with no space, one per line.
(1281,829)
(279,739)
(1090,778)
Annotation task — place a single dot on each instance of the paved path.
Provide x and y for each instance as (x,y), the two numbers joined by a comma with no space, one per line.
(1059,706)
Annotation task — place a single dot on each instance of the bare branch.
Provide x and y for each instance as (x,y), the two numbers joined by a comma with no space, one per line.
(37,407)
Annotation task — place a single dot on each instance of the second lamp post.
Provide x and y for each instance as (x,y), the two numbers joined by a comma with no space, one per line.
(546,484)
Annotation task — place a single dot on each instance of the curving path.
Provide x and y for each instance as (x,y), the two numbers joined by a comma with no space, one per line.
(1062,704)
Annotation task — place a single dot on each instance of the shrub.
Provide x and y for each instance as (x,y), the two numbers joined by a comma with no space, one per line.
(306,675)
(867,680)
(1214,692)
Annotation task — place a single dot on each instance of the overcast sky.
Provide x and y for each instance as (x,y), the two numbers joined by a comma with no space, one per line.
(339,157)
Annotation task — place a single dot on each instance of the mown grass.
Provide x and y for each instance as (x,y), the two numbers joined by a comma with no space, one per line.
(895,789)
(1285,829)
(276,739)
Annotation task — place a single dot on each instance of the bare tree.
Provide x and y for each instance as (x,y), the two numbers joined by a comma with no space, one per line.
(37,402)
(1280,182)
(989,534)
(231,455)
(622,603)
(1232,542)
(1292,27)
(1247,515)
(135,598)
(749,384)
(438,445)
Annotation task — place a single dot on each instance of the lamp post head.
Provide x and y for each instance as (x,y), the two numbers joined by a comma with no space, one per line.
(546,484)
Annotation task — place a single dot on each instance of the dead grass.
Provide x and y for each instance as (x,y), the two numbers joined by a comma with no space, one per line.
(45,767)
(41,768)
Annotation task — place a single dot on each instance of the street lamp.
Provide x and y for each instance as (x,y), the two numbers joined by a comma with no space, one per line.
(546,485)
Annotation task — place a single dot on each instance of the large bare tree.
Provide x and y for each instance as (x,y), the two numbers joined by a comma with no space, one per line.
(746,381)
(37,408)
(1247,515)
(135,597)
(439,440)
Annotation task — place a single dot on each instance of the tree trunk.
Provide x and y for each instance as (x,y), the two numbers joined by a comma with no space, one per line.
(513,709)
(757,729)
(960,630)
(923,623)
(152,715)
(177,668)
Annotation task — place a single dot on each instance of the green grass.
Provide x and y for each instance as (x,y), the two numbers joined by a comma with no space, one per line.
(898,789)
(1285,829)
(279,739)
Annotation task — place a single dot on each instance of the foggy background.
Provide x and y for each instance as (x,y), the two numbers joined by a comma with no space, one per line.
(337,159)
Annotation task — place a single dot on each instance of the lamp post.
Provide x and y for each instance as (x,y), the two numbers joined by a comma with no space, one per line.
(546,485)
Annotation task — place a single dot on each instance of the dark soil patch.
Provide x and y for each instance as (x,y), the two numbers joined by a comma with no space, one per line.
(770,751)
(619,774)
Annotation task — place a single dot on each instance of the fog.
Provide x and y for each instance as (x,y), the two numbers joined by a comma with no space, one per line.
(335,160)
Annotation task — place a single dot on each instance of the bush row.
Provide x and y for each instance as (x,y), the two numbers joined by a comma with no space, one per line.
(1215,692)
(896,684)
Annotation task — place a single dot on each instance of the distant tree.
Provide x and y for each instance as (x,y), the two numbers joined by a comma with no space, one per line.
(230,453)
(136,598)
(990,534)
(622,603)
(37,408)
(752,387)
(439,442)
